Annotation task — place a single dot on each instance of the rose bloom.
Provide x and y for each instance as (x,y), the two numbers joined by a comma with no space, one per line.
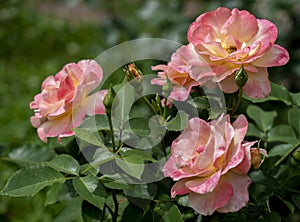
(64,101)
(176,72)
(228,39)
(210,162)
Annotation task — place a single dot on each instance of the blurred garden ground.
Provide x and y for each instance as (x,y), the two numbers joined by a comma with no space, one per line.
(37,38)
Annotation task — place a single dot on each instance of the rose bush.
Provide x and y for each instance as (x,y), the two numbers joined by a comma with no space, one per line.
(201,153)
(210,162)
(64,101)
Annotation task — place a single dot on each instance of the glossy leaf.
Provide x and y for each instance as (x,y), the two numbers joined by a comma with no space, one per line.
(143,154)
(85,187)
(295,98)
(113,184)
(144,191)
(263,119)
(179,122)
(253,131)
(282,133)
(278,93)
(52,195)
(139,126)
(122,105)
(71,212)
(64,163)
(132,165)
(95,123)
(280,150)
(88,136)
(31,154)
(29,181)
(167,212)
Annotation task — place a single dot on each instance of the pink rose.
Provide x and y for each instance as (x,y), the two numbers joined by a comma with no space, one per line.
(176,71)
(210,162)
(65,100)
(227,39)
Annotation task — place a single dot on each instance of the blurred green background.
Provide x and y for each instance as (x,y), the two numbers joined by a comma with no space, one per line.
(37,38)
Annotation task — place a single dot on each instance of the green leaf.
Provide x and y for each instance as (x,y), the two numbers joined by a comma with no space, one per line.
(88,136)
(278,93)
(179,122)
(132,213)
(288,204)
(114,184)
(143,191)
(132,165)
(101,156)
(134,152)
(72,211)
(85,187)
(95,123)
(272,217)
(282,133)
(52,195)
(296,199)
(294,120)
(263,119)
(201,103)
(280,150)
(29,181)
(167,212)
(64,163)
(139,126)
(88,169)
(184,200)
(253,131)
(31,154)
(122,106)
(295,98)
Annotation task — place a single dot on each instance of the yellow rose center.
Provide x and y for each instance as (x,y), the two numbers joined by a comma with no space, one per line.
(230,49)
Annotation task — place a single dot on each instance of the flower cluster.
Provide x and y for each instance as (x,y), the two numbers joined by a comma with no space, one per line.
(209,161)
(220,43)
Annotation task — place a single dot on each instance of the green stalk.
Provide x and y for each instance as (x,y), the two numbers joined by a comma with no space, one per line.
(238,102)
(112,133)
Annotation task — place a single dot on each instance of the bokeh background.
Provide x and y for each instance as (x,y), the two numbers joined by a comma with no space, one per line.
(37,38)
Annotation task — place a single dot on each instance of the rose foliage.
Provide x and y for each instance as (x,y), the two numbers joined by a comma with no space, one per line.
(124,154)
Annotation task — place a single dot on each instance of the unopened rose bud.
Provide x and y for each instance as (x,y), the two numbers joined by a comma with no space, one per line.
(109,99)
(296,157)
(134,71)
(256,157)
(241,77)
(134,77)
(167,88)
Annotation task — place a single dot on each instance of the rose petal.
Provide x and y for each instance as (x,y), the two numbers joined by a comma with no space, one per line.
(179,188)
(206,204)
(277,56)
(240,195)
(258,84)
(204,185)
(240,25)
